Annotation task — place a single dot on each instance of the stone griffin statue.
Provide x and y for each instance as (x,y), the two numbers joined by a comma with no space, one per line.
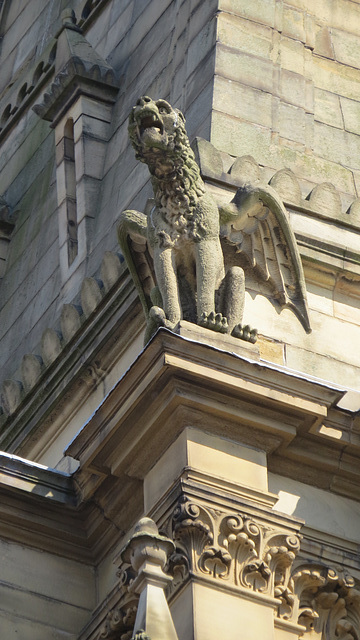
(184,251)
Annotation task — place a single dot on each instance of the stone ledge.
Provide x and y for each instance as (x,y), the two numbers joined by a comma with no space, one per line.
(177,382)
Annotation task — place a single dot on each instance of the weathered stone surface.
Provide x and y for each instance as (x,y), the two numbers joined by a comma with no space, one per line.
(292,55)
(110,269)
(287,185)
(336,78)
(245,169)
(346,48)
(246,69)
(50,346)
(70,321)
(325,199)
(262,11)
(244,35)
(327,108)
(241,101)
(323,42)
(291,123)
(30,370)
(10,396)
(90,295)
(293,23)
(351,115)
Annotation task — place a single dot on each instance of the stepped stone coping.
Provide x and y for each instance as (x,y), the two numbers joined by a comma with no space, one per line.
(70,320)
(31,367)
(323,201)
(10,396)
(53,341)
(90,295)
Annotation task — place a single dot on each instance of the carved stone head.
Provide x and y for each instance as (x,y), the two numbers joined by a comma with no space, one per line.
(156,130)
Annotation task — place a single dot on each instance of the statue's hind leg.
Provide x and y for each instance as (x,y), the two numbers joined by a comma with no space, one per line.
(232,302)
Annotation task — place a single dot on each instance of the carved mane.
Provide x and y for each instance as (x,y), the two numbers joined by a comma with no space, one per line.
(178,187)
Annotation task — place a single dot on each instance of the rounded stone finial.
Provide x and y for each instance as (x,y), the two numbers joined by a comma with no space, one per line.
(68,15)
(146,525)
(147,545)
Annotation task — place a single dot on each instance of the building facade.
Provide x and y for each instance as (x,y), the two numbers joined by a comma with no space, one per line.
(202,485)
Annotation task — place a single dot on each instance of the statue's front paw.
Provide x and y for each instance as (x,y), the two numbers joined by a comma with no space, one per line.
(245,333)
(158,317)
(214,321)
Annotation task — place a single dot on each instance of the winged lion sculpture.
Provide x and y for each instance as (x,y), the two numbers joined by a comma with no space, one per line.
(176,250)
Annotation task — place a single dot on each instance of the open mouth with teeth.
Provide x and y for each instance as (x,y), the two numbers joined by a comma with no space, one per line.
(150,124)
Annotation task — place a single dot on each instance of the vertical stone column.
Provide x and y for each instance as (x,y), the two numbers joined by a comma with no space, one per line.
(234,553)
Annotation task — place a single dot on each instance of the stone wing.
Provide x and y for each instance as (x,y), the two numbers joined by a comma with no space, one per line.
(256,223)
(132,235)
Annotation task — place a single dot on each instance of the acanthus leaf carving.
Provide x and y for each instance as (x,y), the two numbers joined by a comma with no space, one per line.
(236,549)
(326,601)
(119,621)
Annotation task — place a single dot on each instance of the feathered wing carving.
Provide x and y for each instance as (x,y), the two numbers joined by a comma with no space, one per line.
(256,223)
(132,235)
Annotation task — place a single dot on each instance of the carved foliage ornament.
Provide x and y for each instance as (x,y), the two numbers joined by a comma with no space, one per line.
(234,548)
(119,622)
(237,550)
(327,602)
(186,254)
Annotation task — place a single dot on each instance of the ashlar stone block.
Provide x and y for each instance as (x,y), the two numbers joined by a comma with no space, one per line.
(293,23)
(346,47)
(336,78)
(327,108)
(242,101)
(246,69)
(244,35)
(291,123)
(338,146)
(207,454)
(241,138)
(351,114)
(292,55)
(262,11)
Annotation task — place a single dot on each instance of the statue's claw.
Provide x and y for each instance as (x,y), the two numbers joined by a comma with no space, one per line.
(158,317)
(245,333)
(214,321)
